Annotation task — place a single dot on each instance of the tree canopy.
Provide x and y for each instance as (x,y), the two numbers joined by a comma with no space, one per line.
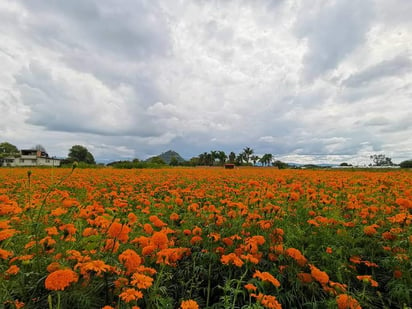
(406,164)
(381,160)
(7,149)
(80,154)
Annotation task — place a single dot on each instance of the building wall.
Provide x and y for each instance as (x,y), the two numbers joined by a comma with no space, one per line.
(31,161)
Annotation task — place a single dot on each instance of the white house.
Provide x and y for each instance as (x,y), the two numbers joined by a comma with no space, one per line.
(30,157)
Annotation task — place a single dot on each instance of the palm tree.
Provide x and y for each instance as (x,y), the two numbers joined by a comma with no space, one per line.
(221,155)
(213,156)
(247,152)
(232,157)
(254,159)
(266,159)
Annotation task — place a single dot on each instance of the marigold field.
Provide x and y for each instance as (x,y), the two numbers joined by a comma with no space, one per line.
(205,238)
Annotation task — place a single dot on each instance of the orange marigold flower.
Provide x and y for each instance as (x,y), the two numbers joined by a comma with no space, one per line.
(157,222)
(174,217)
(4,254)
(338,287)
(68,229)
(297,256)
(18,304)
(267,301)
(58,212)
(345,301)
(368,279)
(141,281)
(111,245)
(214,236)
(170,256)
(129,295)
(197,231)
(12,270)
(119,231)
(60,279)
(96,266)
(130,259)
(148,250)
(146,270)
(251,258)
(196,240)
(159,240)
(53,266)
(265,276)
(250,287)
(227,241)
(89,231)
(231,258)
(132,218)
(397,274)
(189,304)
(52,231)
(320,276)
(148,229)
(121,282)
(141,240)
(305,277)
(355,259)
(7,233)
(370,230)
(329,250)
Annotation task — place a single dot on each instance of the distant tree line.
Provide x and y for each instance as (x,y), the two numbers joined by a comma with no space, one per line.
(247,157)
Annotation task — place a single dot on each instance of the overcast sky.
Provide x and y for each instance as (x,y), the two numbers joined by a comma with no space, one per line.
(308,81)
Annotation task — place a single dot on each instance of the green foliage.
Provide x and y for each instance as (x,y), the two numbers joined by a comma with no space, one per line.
(80,154)
(381,160)
(174,161)
(280,165)
(7,149)
(156,160)
(247,152)
(266,159)
(136,164)
(406,164)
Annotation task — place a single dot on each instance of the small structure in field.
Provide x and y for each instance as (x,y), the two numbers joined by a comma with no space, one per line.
(229,166)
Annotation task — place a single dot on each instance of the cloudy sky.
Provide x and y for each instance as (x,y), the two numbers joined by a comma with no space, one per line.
(308,81)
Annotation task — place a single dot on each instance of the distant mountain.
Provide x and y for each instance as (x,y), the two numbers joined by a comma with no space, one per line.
(168,155)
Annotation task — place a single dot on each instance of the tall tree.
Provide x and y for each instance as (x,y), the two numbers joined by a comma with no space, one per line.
(80,154)
(202,158)
(7,149)
(381,160)
(240,158)
(221,155)
(232,157)
(213,156)
(254,159)
(247,151)
(266,159)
